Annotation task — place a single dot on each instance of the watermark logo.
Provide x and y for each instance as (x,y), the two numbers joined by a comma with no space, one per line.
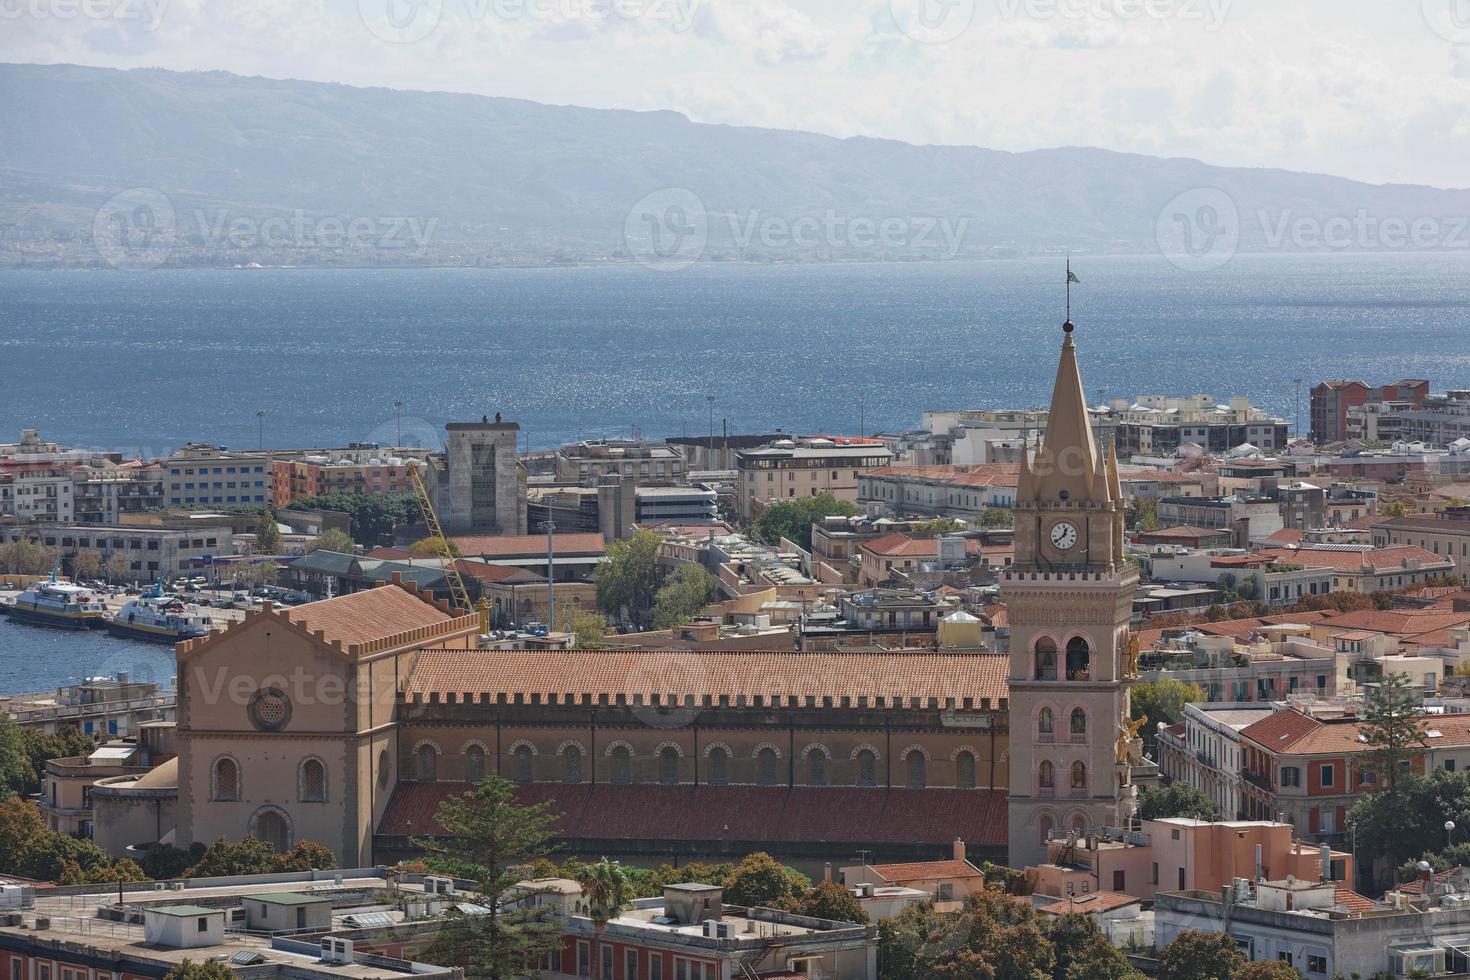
(667,230)
(219,229)
(412,433)
(932,21)
(148,14)
(1450,19)
(1199,230)
(135,230)
(668,688)
(1212,14)
(400,21)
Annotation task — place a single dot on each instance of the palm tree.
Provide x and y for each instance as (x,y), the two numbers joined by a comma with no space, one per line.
(607,890)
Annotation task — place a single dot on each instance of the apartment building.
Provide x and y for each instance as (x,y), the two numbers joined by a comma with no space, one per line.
(1438,421)
(1159,425)
(963,492)
(211,476)
(36,491)
(1359,568)
(1332,400)
(103,492)
(635,461)
(357,469)
(1203,750)
(1445,535)
(788,469)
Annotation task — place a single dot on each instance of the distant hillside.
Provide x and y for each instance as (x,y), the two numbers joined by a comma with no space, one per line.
(444,177)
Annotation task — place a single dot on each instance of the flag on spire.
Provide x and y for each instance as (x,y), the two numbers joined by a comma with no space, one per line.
(1072,277)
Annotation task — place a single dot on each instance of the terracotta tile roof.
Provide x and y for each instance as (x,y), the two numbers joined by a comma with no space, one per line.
(1400,622)
(1288,535)
(927,869)
(979,475)
(370,615)
(1240,627)
(748,814)
(755,673)
(527,545)
(1281,730)
(1356,904)
(486,572)
(901,545)
(1089,904)
(1382,559)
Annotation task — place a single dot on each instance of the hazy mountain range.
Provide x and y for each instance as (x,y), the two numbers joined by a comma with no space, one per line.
(239,169)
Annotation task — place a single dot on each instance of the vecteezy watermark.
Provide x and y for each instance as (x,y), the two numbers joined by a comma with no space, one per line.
(1450,19)
(135,230)
(671,229)
(1202,229)
(406,21)
(1210,13)
(401,233)
(932,21)
(1199,230)
(148,14)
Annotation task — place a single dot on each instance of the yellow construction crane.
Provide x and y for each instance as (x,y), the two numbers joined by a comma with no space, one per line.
(460,595)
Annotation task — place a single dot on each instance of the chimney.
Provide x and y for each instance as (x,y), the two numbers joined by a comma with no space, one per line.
(959,849)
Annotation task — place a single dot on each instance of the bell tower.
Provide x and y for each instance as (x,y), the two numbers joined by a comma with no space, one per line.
(1069,597)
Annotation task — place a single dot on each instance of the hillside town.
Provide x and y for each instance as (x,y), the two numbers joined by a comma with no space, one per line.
(758,705)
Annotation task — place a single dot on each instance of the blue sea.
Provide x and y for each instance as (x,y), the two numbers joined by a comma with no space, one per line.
(144,362)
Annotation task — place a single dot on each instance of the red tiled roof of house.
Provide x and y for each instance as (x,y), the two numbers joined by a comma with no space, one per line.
(1280,731)
(750,674)
(527,545)
(899,544)
(373,614)
(1288,535)
(1356,904)
(1240,627)
(744,814)
(1400,622)
(1381,559)
(1089,904)
(487,572)
(927,869)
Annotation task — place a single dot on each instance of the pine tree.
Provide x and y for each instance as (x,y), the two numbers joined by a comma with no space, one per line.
(1392,728)
(490,835)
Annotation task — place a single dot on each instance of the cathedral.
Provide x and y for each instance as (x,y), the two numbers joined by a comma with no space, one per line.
(348,721)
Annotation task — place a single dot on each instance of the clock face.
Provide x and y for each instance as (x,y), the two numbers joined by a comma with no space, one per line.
(1063,535)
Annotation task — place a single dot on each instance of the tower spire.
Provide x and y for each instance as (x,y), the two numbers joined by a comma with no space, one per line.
(1066,466)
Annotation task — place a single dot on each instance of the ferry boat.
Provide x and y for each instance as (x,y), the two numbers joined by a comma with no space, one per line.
(55,603)
(159,616)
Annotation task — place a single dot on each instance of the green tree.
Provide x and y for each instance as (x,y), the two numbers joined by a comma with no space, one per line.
(628,578)
(587,626)
(46,857)
(762,880)
(940,525)
(117,567)
(607,891)
(1200,956)
(205,970)
(997,517)
(1396,508)
(435,545)
(67,742)
(1176,800)
(332,539)
(1084,953)
(21,823)
(1267,970)
(371,517)
(163,861)
(1142,515)
(683,595)
(267,535)
(307,855)
(1392,728)
(490,837)
(224,858)
(992,937)
(16,772)
(793,519)
(1163,702)
(829,900)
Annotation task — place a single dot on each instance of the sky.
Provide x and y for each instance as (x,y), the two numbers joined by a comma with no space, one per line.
(1377,90)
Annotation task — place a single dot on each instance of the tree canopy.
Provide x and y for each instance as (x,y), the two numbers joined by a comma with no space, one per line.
(1176,800)
(1163,702)
(683,595)
(204,970)
(332,539)
(1200,956)
(371,517)
(267,535)
(435,545)
(793,519)
(628,578)
(761,880)
(829,900)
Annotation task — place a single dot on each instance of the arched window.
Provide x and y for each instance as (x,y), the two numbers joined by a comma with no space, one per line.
(719,767)
(1079,660)
(765,766)
(1046,775)
(1045,826)
(571,771)
(271,826)
(1079,825)
(313,781)
(668,766)
(474,763)
(816,768)
(1079,722)
(384,764)
(1046,659)
(226,780)
(1046,722)
(964,769)
(525,764)
(918,769)
(622,765)
(428,762)
(1079,776)
(867,768)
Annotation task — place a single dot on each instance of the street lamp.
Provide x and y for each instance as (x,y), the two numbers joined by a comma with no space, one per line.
(259,430)
(1449,833)
(398,439)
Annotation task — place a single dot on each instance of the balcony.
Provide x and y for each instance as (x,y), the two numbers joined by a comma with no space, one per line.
(1257,780)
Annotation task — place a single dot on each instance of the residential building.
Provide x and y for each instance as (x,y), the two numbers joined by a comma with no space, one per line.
(1445,535)
(963,492)
(1249,518)
(68,783)
(104,491)
(204,476)
(1332,400)
(36,492)
(1278,661)
(1360,568)
(1203,750)
(357,469)
(901,557)
(1254,576)
(787,469)
(1437,421)
(947,883)
(703,454)
(635,461)
(149,552)
(114,706)
(1158,425)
